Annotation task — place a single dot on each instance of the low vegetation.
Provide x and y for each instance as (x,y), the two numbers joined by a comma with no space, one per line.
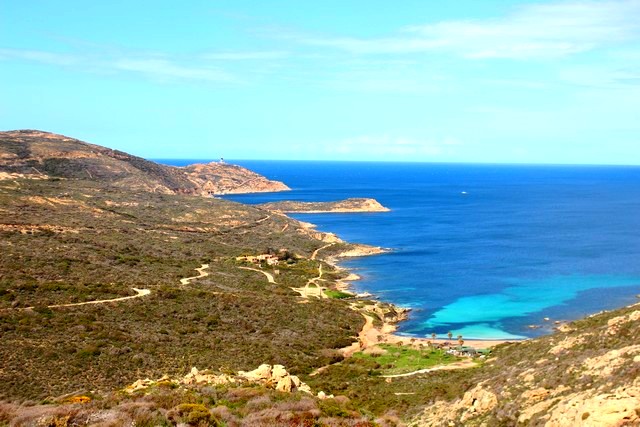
(399,359)
(337,294)
(67,241)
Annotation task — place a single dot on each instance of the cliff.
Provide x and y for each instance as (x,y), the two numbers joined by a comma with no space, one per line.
(37,154)
(343,206)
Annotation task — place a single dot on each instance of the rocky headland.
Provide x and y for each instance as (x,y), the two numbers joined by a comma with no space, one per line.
(39,155)
(352,205)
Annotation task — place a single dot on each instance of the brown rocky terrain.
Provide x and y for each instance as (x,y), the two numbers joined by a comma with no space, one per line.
(37,154)
(587,375)
(352,205)
(224,178)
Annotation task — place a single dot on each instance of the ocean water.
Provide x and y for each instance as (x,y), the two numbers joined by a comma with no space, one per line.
(483,251)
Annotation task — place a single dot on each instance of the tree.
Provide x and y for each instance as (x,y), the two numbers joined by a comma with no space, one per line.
(450,335)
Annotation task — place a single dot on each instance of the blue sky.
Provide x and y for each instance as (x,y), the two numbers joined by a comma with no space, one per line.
(462,81)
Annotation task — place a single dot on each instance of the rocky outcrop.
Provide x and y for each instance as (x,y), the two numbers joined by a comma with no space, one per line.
(343,206)
(586,376)
(197,377)
(475,403)
(617,408)
(276,377)
(38,155)
(194,377)
(224,178)
(358,250)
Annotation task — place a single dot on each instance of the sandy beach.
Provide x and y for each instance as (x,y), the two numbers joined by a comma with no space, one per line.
(371,335)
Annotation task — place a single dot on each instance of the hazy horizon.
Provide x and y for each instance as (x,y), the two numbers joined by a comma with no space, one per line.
(488,163)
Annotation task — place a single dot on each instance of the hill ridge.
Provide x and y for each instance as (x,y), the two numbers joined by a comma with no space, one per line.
(31,153)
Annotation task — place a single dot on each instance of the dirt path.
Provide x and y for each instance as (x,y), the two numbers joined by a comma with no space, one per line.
(465,364)
(315,253)
(367,337)
(313,291)
(263,219)
(200,270)
(364,338)
(139,293)
(270,277)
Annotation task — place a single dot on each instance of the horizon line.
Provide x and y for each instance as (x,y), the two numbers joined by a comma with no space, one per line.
(480,163)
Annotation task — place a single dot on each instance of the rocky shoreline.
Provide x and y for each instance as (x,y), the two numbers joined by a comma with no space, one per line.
(351,205)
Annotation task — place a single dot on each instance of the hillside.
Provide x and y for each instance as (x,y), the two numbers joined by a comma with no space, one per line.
(589,374)
(36,154)
(352,205)
(66,242)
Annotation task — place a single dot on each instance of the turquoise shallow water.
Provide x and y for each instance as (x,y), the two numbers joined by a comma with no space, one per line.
(481,315)
(482,250)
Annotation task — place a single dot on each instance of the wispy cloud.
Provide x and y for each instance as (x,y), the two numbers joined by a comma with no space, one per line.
(151,66)
(244,56)
(52,58)
(163,69)
(531,31)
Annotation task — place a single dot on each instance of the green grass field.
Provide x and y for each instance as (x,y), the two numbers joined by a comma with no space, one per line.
(399,360)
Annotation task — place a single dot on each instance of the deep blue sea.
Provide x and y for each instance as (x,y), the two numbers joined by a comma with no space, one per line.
(480,250)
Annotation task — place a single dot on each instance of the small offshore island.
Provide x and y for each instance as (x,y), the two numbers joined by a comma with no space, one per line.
(129,296)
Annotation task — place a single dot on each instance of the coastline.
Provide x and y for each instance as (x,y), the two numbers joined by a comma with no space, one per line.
(371,334)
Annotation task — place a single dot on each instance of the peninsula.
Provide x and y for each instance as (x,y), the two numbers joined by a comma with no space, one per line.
(352,205)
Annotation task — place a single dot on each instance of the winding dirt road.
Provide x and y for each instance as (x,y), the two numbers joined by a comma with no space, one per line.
(313,291)
(270,277)
(139,293)
(200,270)
(364,338)
(466,364)
(315,253)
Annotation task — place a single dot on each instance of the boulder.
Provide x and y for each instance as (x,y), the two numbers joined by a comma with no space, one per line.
(263,372)
(278,372)
(296,380)
(322,395)
(477,401)
(285,385)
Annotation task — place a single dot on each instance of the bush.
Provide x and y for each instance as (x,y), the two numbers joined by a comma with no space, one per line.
(193,414)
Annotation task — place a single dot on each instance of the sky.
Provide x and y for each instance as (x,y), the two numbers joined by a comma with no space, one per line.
(503,81)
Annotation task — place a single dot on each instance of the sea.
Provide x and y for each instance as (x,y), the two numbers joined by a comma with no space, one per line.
(479,250)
